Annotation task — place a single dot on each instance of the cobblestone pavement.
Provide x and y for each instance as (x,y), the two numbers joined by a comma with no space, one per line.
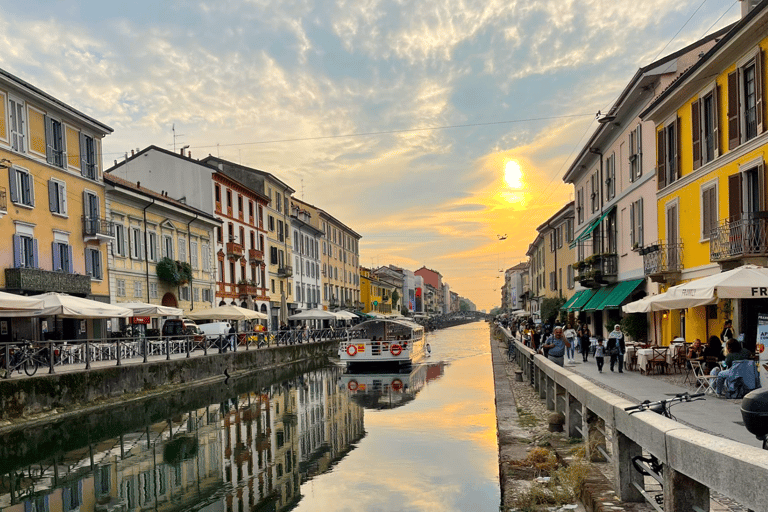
(601,496)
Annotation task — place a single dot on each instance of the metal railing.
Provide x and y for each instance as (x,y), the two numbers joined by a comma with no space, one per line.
(94,226)
(662,257)
(18,358)
(737,238)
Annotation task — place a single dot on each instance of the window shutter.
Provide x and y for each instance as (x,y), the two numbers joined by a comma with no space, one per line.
(70,263)
(48,140)
(35,252)
(88,262)
(632,240)
(696,132)
(639,215)
(97,265)
(734,197)
(661,176)
(759,89)
(52,195)
(56,256)
(734,136)
(706,228)
(716,123)
(142,248)
(16,251)
(12,185)
(639,138)
(678,137)
(83,155)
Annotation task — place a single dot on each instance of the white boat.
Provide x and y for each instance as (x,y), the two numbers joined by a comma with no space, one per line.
(389,341)
(384,390)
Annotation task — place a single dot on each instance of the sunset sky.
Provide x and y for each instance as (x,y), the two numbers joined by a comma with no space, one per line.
(398,118)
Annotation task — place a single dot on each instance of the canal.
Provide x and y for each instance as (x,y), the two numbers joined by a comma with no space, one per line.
(324,439)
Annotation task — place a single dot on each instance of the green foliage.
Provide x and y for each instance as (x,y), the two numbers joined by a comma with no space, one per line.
(395,298)
(550,308)
(174,272)
(635,326)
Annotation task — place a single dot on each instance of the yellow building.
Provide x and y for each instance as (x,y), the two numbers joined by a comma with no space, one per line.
(710,169)
(375,295)
(149,227)
(340,259)
(52,204)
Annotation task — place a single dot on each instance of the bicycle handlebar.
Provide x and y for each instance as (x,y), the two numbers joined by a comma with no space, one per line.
(647,404)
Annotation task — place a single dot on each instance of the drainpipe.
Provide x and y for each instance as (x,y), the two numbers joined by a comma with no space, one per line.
(189,257)
(146,245)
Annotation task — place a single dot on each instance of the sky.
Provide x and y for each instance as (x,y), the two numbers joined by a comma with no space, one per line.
(431,128)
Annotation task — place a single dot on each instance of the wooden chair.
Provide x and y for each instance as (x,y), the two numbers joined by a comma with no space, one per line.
(704,381)
(679,363)
(630,360)
(658,359)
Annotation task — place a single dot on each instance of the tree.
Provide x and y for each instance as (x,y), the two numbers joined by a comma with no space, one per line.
(395,298)
(635,326)
(550,309)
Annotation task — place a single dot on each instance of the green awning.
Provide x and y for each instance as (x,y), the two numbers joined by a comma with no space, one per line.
(584,297)
(598,298)
(590,228)
(570,301)
(620,293)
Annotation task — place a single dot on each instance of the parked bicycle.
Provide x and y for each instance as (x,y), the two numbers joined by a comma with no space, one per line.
(650,465)
(24,357)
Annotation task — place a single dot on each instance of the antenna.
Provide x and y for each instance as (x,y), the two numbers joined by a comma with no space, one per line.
(302,188)
(175,136)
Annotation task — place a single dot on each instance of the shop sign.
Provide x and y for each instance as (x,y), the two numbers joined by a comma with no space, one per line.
(140,320)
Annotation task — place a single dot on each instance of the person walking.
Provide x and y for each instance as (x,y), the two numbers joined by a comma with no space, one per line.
(571,336)
(599,354)
(616,347)
(584,341)
(727,332)
(556,345)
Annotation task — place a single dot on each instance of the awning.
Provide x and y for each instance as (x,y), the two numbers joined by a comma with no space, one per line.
(584,297)
(598,299)
(570,301)
(590,228)
(619,293)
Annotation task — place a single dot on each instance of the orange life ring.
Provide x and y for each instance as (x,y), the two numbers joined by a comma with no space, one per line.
(352,385)
(395,349)
(351,350)
(397,385)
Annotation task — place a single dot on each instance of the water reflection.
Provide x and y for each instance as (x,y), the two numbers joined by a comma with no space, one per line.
(388,390)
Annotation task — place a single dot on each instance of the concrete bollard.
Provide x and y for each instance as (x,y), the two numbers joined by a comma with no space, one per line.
(519,375)
(556,422)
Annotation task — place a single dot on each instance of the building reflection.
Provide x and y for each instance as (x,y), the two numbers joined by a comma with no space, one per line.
(248,453)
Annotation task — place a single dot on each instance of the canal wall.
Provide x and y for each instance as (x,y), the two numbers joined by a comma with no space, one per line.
(695,463)
(22,397)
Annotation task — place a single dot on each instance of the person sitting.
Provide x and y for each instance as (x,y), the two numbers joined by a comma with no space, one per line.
(735,353)
(713,352)
(696,351)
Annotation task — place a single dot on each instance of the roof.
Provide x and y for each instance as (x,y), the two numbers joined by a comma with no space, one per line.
(729,33)
(120,182)
(561,213)
(213,161)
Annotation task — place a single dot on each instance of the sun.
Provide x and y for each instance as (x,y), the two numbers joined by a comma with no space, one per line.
(513,175)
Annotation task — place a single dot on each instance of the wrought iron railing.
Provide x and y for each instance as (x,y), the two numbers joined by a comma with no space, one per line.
(597,268)
(662,257)
(98,226)
(738,238)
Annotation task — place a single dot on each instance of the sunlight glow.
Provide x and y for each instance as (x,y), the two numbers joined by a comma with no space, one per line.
(513,175)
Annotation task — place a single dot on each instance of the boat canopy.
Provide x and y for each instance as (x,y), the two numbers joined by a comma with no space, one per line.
(386,328)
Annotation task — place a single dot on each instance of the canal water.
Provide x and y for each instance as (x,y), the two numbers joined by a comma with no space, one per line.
(321,440)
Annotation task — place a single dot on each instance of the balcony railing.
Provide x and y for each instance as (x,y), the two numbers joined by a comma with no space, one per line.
(247,289)
(98,227)
(40,281)
(662,259)
(742,238)
(597,270)
(234,250)
(255,256)
(286,271)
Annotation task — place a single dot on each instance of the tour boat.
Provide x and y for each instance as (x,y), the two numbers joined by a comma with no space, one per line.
(384,341)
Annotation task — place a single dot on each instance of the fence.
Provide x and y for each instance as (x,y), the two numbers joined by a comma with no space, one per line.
(695,463)
(28,356)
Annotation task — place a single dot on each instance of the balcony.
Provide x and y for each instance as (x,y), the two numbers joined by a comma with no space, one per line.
(234,250)
(597,270)
(662,261)
(3,202)
(286,271)
(255,256)
(98,228)
(246,290)
(740,239)
(41,281)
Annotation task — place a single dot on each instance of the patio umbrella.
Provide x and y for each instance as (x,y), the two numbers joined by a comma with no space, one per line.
(313,314)
(13,301)
(346,315)
(69,306)
(226,313)
(144,309)
(745,282)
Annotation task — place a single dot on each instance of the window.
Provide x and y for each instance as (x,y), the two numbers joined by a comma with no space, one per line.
(279,201)
(273,255)
(552,241)
(22,187)
(610,177)
(153,246)
(120,287)
(182,249)
(138,290)
(17,117)
(88,157)
(705,128)
(552,281)
(271,223)
(559,232)
(193,254)
(93,266)
(217,195)
(569,230)
(168,246)
(229,199)
(636,153)
(24,251)
(250,210)
(152,290)
(579,207)
(184,293)
(54,142)
(204,249)
(280,230)
(708,210)
(218,234)
(196,294)
(240,206)
(570,277)
(745,100)
(594,195)
(636,223)
(668,154)
(118,244)
(62,257)
(207,296)
(137,247)
(57,196)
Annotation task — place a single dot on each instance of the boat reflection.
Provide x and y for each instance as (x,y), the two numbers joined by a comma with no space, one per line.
(388,390)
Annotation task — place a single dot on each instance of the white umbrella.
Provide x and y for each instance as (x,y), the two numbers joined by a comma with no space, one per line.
(13,301)
(663,302)
(144,309)
(745,282)
(226,313)
(313,314)
(69,306)
(346,315)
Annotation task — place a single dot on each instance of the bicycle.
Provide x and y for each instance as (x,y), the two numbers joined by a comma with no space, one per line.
(23,357)
(650,465)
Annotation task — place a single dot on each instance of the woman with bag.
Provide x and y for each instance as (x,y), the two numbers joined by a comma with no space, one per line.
(616,347)
(584,342)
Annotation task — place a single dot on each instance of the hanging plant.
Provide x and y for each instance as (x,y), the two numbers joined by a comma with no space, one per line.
(168,271)
(185,272)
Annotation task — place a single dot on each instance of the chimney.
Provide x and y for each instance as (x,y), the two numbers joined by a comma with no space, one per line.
(747,6)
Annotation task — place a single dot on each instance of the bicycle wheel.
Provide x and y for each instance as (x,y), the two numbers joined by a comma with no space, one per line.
(30,367)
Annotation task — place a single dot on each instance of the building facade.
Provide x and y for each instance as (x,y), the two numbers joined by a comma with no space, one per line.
(341,259)
(307,240)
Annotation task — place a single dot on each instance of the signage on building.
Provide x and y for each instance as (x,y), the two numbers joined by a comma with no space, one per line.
(140,320)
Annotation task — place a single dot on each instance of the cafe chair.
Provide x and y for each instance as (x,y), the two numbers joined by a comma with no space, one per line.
(704,381)
(679,363)
(658,359)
